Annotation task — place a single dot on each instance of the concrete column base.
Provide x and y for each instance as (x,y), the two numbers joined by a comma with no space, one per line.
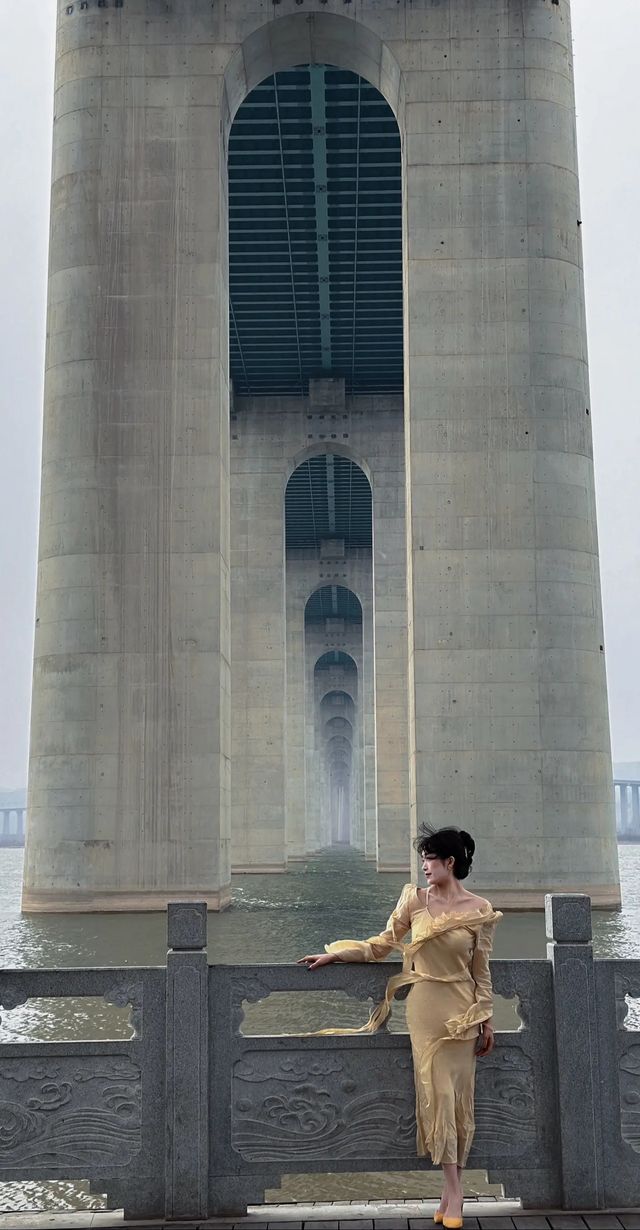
(603,897)
(135,901)
(266,869)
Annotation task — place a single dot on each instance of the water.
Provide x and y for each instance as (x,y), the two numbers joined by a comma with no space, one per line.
(274,918)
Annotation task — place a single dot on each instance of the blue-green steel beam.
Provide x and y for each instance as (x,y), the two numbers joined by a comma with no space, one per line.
(331,494)
(321,176)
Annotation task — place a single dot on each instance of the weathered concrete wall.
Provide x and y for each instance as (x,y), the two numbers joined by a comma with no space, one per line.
(508,728)
(128,788)
(390,654)
(258,682)
(509,695)
(296,739)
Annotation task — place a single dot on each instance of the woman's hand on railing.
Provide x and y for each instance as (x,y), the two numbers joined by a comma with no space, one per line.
(317,959)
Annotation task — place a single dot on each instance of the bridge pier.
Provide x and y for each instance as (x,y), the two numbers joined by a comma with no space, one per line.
(12,826)
(627,795)
(489,690)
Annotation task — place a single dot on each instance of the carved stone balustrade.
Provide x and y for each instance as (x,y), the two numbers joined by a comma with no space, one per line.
(191,1117)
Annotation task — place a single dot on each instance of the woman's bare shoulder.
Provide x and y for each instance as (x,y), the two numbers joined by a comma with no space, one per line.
(480,903)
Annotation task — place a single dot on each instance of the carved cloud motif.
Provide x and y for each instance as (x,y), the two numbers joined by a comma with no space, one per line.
(69,1113)
(505,1104)
(315,1106)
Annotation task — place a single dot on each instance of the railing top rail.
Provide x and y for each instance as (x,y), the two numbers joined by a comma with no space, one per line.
(124,982)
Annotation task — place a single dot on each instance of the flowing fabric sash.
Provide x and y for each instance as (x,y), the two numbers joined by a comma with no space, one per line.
(456,1026)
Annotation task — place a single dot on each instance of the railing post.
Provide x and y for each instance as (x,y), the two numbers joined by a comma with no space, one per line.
(187,1060)
(568,923)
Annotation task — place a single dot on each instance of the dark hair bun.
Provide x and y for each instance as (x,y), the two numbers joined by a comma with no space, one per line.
(469,844)
(448,843)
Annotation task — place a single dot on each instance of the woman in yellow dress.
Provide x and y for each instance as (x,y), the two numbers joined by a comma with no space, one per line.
(450,1004)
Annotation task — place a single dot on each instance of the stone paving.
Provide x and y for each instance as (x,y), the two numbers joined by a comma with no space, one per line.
(488,1214)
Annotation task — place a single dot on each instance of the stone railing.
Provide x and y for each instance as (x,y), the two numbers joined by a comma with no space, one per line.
(191,1117)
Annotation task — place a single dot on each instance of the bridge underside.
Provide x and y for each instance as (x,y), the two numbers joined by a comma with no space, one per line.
(315,275)
(318,554)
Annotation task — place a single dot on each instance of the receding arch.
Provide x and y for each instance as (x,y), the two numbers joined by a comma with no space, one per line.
(337,696)
(311,38)
(333,602)
(331,691)
(337,450)
(340,743)
(330,674)
(323,585)
(316,293)
(336,47)
(339,725)
(336,657)
(328,497)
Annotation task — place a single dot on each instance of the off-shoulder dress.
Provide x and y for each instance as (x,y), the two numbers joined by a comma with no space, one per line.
(447,966)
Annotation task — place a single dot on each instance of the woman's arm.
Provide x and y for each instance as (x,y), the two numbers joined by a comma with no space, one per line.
(480,969)
(481,973)
(377,947)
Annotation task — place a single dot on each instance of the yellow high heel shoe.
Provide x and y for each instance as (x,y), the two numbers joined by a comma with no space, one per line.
(437,1217)
(453,1223)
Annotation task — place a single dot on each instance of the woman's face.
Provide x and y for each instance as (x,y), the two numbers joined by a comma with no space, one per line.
(437,870)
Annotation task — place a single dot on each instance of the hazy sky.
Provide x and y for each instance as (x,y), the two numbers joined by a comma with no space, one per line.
(606,39)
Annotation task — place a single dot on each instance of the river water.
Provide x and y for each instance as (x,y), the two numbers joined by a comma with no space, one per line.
(273,918)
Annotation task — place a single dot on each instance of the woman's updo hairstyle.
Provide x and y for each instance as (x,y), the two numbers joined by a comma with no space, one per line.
(447,843)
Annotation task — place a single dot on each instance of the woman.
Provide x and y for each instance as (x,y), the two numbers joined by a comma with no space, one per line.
(451,1002)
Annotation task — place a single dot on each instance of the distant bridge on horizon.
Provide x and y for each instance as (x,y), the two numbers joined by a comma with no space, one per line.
(627,796)
(12,826)
(627,809)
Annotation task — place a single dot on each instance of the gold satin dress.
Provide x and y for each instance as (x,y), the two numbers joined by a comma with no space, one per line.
(447,966)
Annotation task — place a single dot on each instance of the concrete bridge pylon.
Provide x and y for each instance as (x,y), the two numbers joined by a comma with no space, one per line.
(407,286)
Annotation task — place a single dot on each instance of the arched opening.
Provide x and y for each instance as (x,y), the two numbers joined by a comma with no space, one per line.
(315,236)
(316,356)
(328,506)
(339,719)
(328,538)
(312,38)
(336,809)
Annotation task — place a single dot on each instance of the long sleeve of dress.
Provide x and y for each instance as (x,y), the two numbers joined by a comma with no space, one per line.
(480,970)
(377,947)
